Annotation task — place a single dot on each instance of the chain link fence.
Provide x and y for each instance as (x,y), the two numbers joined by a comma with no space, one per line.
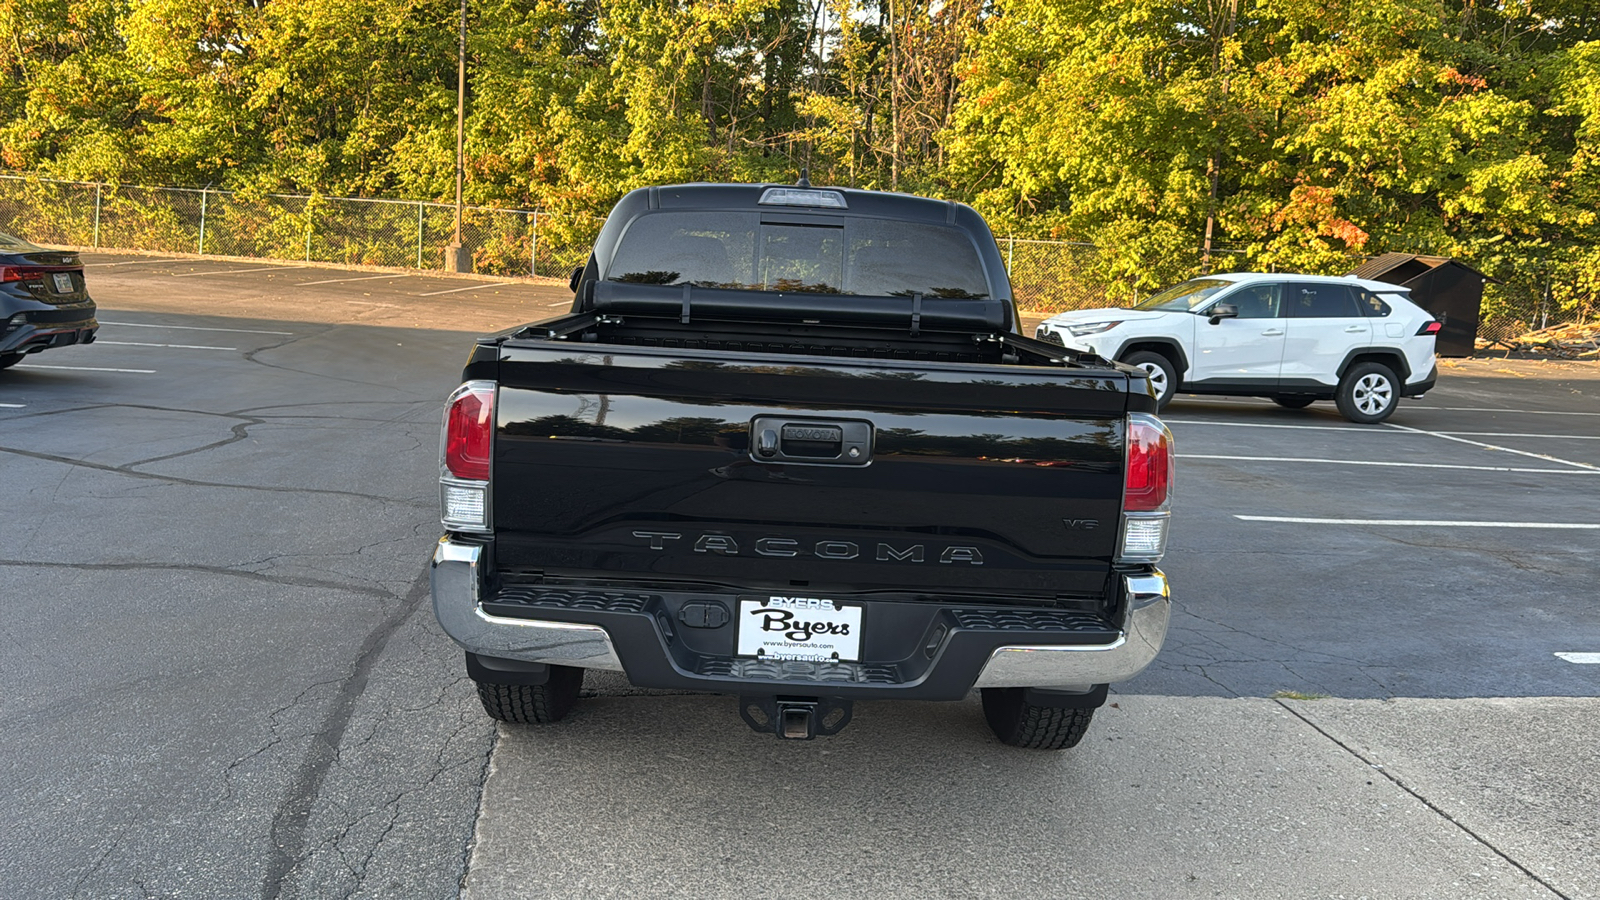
(1053,276)
(1516,306)
(1059,276)
(398,233)
(1046,276)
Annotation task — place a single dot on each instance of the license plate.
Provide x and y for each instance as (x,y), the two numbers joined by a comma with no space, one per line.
(805,628)
(63,282)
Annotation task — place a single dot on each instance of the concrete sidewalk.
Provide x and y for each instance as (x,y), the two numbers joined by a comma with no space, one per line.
(1167,797)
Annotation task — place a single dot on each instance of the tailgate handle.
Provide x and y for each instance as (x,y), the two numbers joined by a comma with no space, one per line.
(835,443)
(819,441)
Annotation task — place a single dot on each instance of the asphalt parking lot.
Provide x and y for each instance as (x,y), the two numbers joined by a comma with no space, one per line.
(226,680)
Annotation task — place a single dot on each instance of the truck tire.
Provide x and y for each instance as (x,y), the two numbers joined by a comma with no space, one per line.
(533,704)
(1367,393)
(1018,723)
(1290,401)
(1163,374)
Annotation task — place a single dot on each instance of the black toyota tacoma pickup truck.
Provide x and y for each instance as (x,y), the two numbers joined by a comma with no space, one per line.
(789,445)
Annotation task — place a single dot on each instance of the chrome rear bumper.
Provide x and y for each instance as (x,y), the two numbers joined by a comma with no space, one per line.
(457,582)
(1144,628)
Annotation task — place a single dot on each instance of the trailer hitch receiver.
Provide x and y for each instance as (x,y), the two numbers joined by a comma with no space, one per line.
(795,718)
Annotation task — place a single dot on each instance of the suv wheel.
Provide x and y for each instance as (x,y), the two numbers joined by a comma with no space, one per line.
(1293,402)
(533,704)
(1163,376)
(1367,393)
(1019,723)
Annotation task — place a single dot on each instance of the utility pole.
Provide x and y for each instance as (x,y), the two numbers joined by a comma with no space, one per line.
(457,259)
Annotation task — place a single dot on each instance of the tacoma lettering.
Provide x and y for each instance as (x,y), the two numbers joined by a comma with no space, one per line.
(912,553)
(717,543)
(784,548)
(778,547)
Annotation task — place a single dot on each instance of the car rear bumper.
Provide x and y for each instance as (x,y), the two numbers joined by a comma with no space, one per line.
(43,330)
(1418,388)
(955,647)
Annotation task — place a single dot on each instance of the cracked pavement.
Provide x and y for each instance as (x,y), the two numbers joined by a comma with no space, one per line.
(226,680)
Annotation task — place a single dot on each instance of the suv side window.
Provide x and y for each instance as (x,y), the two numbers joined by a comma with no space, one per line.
(1371,304)
(1258,301)
(1310,300)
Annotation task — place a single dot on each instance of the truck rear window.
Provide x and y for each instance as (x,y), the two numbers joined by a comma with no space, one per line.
(738,251)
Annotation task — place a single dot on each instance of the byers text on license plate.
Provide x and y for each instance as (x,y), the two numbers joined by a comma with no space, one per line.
(806,628)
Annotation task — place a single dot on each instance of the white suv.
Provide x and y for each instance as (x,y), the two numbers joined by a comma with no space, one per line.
(1294,338)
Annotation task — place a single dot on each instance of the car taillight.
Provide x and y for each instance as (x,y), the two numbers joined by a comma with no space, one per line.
(464,456)
(19,273)
(36,273)
(1147,490)
(1431,326)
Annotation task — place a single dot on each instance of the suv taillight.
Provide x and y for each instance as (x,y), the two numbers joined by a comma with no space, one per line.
(1147,490)
(464,457)
(1430,327)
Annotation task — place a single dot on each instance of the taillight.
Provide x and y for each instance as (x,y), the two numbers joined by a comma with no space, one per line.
(35,273)
(468,430)
(1150,464)
(1431,326)
(464,457)
(1147,490)
(17,273)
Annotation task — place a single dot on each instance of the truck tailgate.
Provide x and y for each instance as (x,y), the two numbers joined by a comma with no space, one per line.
(999,483)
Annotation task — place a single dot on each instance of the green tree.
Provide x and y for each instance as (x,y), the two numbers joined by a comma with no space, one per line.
(67,105)
(1304,133)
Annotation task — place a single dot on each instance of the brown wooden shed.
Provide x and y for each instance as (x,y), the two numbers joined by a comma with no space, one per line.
(1444,286)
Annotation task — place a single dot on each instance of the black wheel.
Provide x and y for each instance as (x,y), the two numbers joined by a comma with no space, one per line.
(7,360)
(1367,393)
(1292,402)
(1163,375)
(533,704)
(1021,724)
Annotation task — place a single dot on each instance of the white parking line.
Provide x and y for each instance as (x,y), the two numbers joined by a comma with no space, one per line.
(1353,428)
(1421,523)
(95,369)
(238,271)
(134,262)
(1398,465)
(13,406)
(337,280)
(1531,412)
(190,328)
(1542,437)
(1582,659)
(1543,456)
(172,346)
(1364,430)
(475,287)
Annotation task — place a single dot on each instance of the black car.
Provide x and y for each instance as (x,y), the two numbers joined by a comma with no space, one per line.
(43,301)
